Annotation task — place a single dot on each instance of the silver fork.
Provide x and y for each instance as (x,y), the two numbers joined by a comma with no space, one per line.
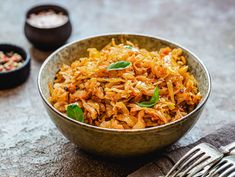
(225,168)
(199,157)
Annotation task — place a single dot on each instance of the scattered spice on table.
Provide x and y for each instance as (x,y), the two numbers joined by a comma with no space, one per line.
(10,61)
(47,19)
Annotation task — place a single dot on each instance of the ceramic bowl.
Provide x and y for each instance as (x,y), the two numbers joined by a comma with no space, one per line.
(17,76)
(112,142)
(47,38)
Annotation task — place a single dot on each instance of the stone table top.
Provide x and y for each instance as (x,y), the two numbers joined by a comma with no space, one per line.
(30,144)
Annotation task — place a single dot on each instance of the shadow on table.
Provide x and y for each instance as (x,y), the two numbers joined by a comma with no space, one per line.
(39,55)
(80,163)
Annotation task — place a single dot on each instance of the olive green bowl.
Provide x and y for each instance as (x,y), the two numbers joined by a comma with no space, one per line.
(112,142)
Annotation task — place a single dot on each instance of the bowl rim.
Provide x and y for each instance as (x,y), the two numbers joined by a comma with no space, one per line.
(47,6)
(26,59)
(130,131)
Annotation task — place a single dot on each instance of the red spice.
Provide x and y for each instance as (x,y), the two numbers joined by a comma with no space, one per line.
(10,61)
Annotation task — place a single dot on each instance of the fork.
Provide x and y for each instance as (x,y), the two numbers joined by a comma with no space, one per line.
(225,168)
(198,158)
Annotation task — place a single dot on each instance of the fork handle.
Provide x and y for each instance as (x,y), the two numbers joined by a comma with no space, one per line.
(228,148)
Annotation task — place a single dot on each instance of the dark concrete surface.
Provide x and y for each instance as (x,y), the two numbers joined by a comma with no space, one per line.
(30,145)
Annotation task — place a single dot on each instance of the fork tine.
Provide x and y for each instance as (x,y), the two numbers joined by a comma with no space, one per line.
(227,171)
(232,175)
(186,162)
(203,168)
(169,174)
(209,169)
(221,166)
(200,160)
(198,154)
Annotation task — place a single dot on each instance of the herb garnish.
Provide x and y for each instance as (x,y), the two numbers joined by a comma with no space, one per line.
(120,65)
(154,99)
(75,112)
(128,47)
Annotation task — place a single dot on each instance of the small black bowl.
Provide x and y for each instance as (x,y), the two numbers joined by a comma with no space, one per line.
(17,76)
(47,38)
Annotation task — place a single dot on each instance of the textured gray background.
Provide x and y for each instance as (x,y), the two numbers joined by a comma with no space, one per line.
(30,145)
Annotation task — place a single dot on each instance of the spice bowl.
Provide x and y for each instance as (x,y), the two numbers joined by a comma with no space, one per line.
(47,26)
(16,76)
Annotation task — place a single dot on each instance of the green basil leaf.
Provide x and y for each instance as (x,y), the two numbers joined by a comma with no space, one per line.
(154,99)
(119,65)
(155,96)
(128,47)
(75,112)
(146,104)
